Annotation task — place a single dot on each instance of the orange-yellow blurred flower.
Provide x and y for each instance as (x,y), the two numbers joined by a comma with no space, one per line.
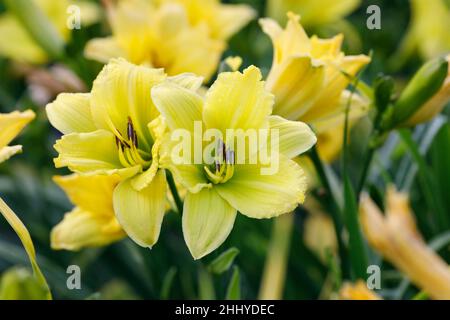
(357,291)
(396,237)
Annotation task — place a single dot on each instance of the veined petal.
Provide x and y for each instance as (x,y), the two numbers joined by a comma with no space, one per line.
(8,151)
(296,84)
(12,123)
(71,112)
(179,106)
(122,90)
(80,229)
(295,137)
(187,80)
(326,48)
(207,221)
(259,195)
(103,49)
(238,101)
(17,44)
(87,152)
(90,193)
(140,213)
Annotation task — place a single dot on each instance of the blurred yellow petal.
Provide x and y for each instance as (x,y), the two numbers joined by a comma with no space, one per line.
(207,221)
(140,213)
(103,49)
(122,92)
(90,11)
(187,80)
(25,238)
(17,44)
(313,12)
(238,101)
(396,237)
(8,152)
(12,123)
(80,229)
(295,137)
(71,112)
(357,291)
(180,107)
(258,195)
(223,20)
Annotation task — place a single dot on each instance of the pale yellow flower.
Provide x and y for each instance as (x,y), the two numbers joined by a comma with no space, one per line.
(10,126)
(313,12)
(396,237)
(18,45)
(92,222)
(179,36)
(217,191)
(309,77)
(357,291)
(113,130)
(435,105)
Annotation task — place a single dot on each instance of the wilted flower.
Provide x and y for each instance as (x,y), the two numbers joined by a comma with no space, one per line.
(92,222)
(219,185)
(110,132)
(309,77)
(17,43)
(177,35)
(395,236)
(313,12)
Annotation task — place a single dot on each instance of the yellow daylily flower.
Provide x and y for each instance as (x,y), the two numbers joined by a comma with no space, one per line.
(179,36)
(396,237)
(18,45)
(10,126)
(309,77)
(313,12)
(427,32)
(357,291)
(435,105)
(218,186)
(92,222)
(113,131)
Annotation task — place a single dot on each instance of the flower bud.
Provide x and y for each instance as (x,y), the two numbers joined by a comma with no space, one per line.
(20,284)
(424,85)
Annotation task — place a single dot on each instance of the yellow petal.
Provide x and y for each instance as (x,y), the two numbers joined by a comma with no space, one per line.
(122,90)
(260,195)
(90,193)
(326,48)
(295,83)
(17,44)
(140,213)
(238,101)
(71,112)
(103,49)
(295,137)
(90,11)
(397,238)
(8,152)
(207,221)
(187,80)
(80,229)
(12,123)
(180,107)
(25,238)
(88,152)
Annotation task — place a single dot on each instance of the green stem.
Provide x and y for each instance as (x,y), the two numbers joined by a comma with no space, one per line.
(365,171)
(174,191)
(334,210)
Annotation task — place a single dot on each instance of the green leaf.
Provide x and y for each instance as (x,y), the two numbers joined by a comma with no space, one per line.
(167,283)
(205,285)
(223,262)
(357,247)
(234,286)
